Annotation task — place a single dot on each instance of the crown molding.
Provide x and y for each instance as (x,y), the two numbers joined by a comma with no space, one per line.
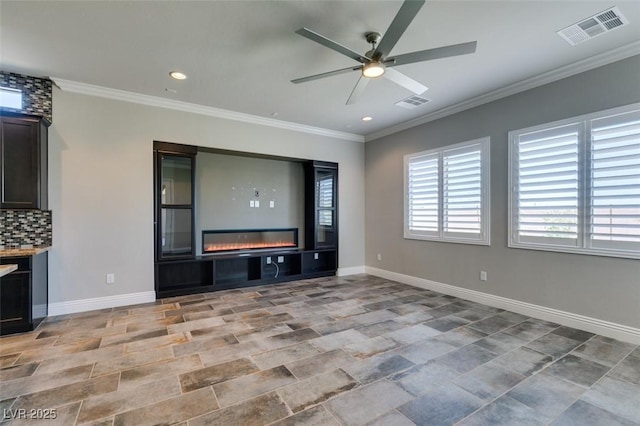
(578,67)
(605,58)
(155,101)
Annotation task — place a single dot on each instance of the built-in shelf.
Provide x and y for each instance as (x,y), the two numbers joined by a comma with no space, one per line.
(240,261)
(319,261)
(220,272)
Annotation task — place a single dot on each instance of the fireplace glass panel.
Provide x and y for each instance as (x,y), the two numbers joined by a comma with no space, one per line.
(255,239)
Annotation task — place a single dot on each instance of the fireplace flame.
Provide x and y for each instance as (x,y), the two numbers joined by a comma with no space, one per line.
(247,246)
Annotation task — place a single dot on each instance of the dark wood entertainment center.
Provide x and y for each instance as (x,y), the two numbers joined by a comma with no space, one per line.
(179,271)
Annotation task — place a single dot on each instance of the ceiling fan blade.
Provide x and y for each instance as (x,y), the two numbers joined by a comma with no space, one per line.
(325,74)
(429,54)
(319,38)
(405,81)
(405,15)
(358,90)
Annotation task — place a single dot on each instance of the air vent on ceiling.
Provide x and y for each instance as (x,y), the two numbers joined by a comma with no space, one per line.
(412,102)
(593,26)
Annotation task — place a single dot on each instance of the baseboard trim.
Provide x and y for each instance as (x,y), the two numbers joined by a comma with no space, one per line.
(39,311)
(593,325)
(83,305)
(353,270)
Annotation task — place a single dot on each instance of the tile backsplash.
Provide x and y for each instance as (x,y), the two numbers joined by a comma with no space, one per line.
(20,228)
(37,97)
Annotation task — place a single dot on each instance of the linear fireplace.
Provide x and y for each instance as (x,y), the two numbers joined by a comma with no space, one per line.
(216,241)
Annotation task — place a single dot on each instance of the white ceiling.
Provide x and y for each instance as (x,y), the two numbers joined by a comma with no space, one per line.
(241,55)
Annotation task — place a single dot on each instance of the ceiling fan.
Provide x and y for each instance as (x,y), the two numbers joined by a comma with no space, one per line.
(377,62)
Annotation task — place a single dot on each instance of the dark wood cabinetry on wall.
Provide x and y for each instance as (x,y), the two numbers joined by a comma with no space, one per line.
(23,294)
(321,205)
(23,161)
(178,271)
(174,189)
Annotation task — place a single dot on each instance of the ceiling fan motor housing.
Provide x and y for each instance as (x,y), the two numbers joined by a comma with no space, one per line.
(372,38)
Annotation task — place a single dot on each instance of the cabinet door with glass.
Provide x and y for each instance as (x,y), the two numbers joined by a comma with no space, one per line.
(322,207)
(174,205)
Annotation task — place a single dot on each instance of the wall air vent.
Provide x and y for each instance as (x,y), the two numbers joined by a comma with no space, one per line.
(412,102)
(594,26)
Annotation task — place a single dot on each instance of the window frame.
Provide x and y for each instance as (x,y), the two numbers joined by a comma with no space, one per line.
(583,244)
(484,237)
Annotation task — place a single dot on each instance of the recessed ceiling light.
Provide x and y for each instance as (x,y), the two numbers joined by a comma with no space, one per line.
(178,75)
(367,118)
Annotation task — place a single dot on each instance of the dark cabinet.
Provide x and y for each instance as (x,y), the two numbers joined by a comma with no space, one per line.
(23,294)
(225,271)
(321,209)
(319,262)
(174,200)
(23,162)
(14,300)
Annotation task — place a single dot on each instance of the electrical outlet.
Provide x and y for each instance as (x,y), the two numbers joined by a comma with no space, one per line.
(316,256)
(252,203)
(268,260)
(111,278)
(272,204)
(483,275)
(379,257)
(280,259)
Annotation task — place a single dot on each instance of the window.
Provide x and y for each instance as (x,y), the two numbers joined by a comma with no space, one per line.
(447,193)
(575,185)
(10,98)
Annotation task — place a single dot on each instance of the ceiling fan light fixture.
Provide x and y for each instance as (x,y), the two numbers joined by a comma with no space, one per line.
(373,69)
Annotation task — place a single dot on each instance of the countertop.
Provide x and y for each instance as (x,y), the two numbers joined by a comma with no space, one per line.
(5,269)
(15,252)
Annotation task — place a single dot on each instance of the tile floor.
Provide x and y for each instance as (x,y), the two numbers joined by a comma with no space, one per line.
(352,350)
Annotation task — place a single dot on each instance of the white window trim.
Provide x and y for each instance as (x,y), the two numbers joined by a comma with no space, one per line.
(582,247)
(439,236)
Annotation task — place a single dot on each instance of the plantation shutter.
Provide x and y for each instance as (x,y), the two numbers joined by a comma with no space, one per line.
(462,192)
(614,184)
(423,201)
(545,187)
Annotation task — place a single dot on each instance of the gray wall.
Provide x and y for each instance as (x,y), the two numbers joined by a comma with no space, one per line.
(600,287)
(101,186)
(226,183)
